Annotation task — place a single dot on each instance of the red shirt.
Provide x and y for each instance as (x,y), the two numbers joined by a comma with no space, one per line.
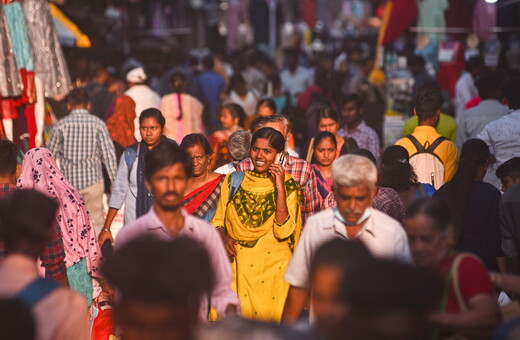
(473,280)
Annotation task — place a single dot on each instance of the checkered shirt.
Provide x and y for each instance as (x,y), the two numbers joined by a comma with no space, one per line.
(53,255)
(81,144)
(302,173)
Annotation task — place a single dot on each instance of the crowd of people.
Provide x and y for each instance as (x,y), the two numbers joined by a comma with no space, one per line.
(262,204)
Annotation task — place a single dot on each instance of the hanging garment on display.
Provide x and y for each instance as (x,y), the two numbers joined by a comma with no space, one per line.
(10,82)
(451,58)
(49,62)
(22,50)
(485,18)
(431,14)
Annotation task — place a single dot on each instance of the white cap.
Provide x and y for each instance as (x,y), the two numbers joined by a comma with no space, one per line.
(136,75)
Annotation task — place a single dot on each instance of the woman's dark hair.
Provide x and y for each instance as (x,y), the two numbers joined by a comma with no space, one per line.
(236,111)
(396,171)
(178,76)
(327,113)
(274,137)
(236,78)
(152,113)
(266,102)
(365,153)
(194,139)
(474,154)
(324,135)
(352,97)
(434,208)
(350,146)
(166,154)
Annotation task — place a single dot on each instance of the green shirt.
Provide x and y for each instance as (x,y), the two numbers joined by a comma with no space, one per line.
(446,126)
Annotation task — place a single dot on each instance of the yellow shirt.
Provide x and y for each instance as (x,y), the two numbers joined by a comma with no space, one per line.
(446,151)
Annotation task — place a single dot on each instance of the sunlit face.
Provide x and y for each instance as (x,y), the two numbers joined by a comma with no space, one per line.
(227,119)
(328,124)
(328,312)
(265,111)
(199,159)
(262,155)
(508,182)
(167,186)
(142,321)
(353,201)
(325,152)
(351,113)
(151,131)
(428,244)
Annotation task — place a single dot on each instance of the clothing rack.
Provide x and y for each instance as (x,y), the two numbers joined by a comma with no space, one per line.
(464,29)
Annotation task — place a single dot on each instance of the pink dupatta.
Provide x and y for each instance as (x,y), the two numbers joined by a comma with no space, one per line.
(40,172)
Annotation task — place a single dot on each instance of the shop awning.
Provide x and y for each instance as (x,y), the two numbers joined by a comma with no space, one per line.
(68,33)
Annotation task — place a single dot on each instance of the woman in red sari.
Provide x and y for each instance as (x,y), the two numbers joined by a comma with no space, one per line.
(203,189)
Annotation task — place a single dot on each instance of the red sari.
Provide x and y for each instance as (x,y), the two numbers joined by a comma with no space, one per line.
(202,202)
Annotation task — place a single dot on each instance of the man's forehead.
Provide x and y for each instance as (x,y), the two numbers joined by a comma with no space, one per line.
(360,189)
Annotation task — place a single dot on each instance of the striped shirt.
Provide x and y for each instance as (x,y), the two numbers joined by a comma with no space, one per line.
(81,144)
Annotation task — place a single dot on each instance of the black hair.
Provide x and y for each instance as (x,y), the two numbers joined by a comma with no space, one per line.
(274,137)
(365,153)
(487,84)
(255,122)
(194,139)
(474,154)
(474,63)
(435,208)
(177,272)
(324,135)
(511,89)
(428,101)
(266,102)
(236,111)
(8,154)
(17,227)
(416,60)
(510,168)
(352,97)
(208,62)
(396,171)
(350,146)
(342,254)
(178,89)
(234,80)
(327,113)
(166,154)
(322,79)
(16,320)
(152,113)
(385,286)
(78,96)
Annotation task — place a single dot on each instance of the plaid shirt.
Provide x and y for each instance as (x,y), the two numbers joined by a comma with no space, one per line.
(302,173)
(82,144)
(53,255)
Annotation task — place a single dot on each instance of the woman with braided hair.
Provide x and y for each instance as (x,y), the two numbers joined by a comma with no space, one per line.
(183,113)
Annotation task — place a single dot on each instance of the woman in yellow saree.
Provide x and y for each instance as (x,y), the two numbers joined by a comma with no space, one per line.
(259,217)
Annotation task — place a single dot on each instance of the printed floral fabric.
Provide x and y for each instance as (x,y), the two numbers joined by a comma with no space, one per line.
(40,172)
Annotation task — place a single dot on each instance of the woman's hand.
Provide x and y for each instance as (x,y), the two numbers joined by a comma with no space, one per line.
(104,236)
(278,172)
(229,243)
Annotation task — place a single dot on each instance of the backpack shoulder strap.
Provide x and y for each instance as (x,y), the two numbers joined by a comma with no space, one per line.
(235,180)
(416,143)
(36,290)
(131,155)
(436,143)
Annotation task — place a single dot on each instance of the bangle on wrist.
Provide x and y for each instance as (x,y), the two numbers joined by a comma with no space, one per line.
(105,229)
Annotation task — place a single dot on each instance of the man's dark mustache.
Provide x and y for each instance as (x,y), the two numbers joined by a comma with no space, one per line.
(171,193)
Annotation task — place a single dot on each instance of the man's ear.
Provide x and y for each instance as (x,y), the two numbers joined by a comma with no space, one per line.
(374,191)
(147,184)
(414,112)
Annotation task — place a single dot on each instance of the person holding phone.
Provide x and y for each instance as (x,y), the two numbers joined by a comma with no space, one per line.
(259,219)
